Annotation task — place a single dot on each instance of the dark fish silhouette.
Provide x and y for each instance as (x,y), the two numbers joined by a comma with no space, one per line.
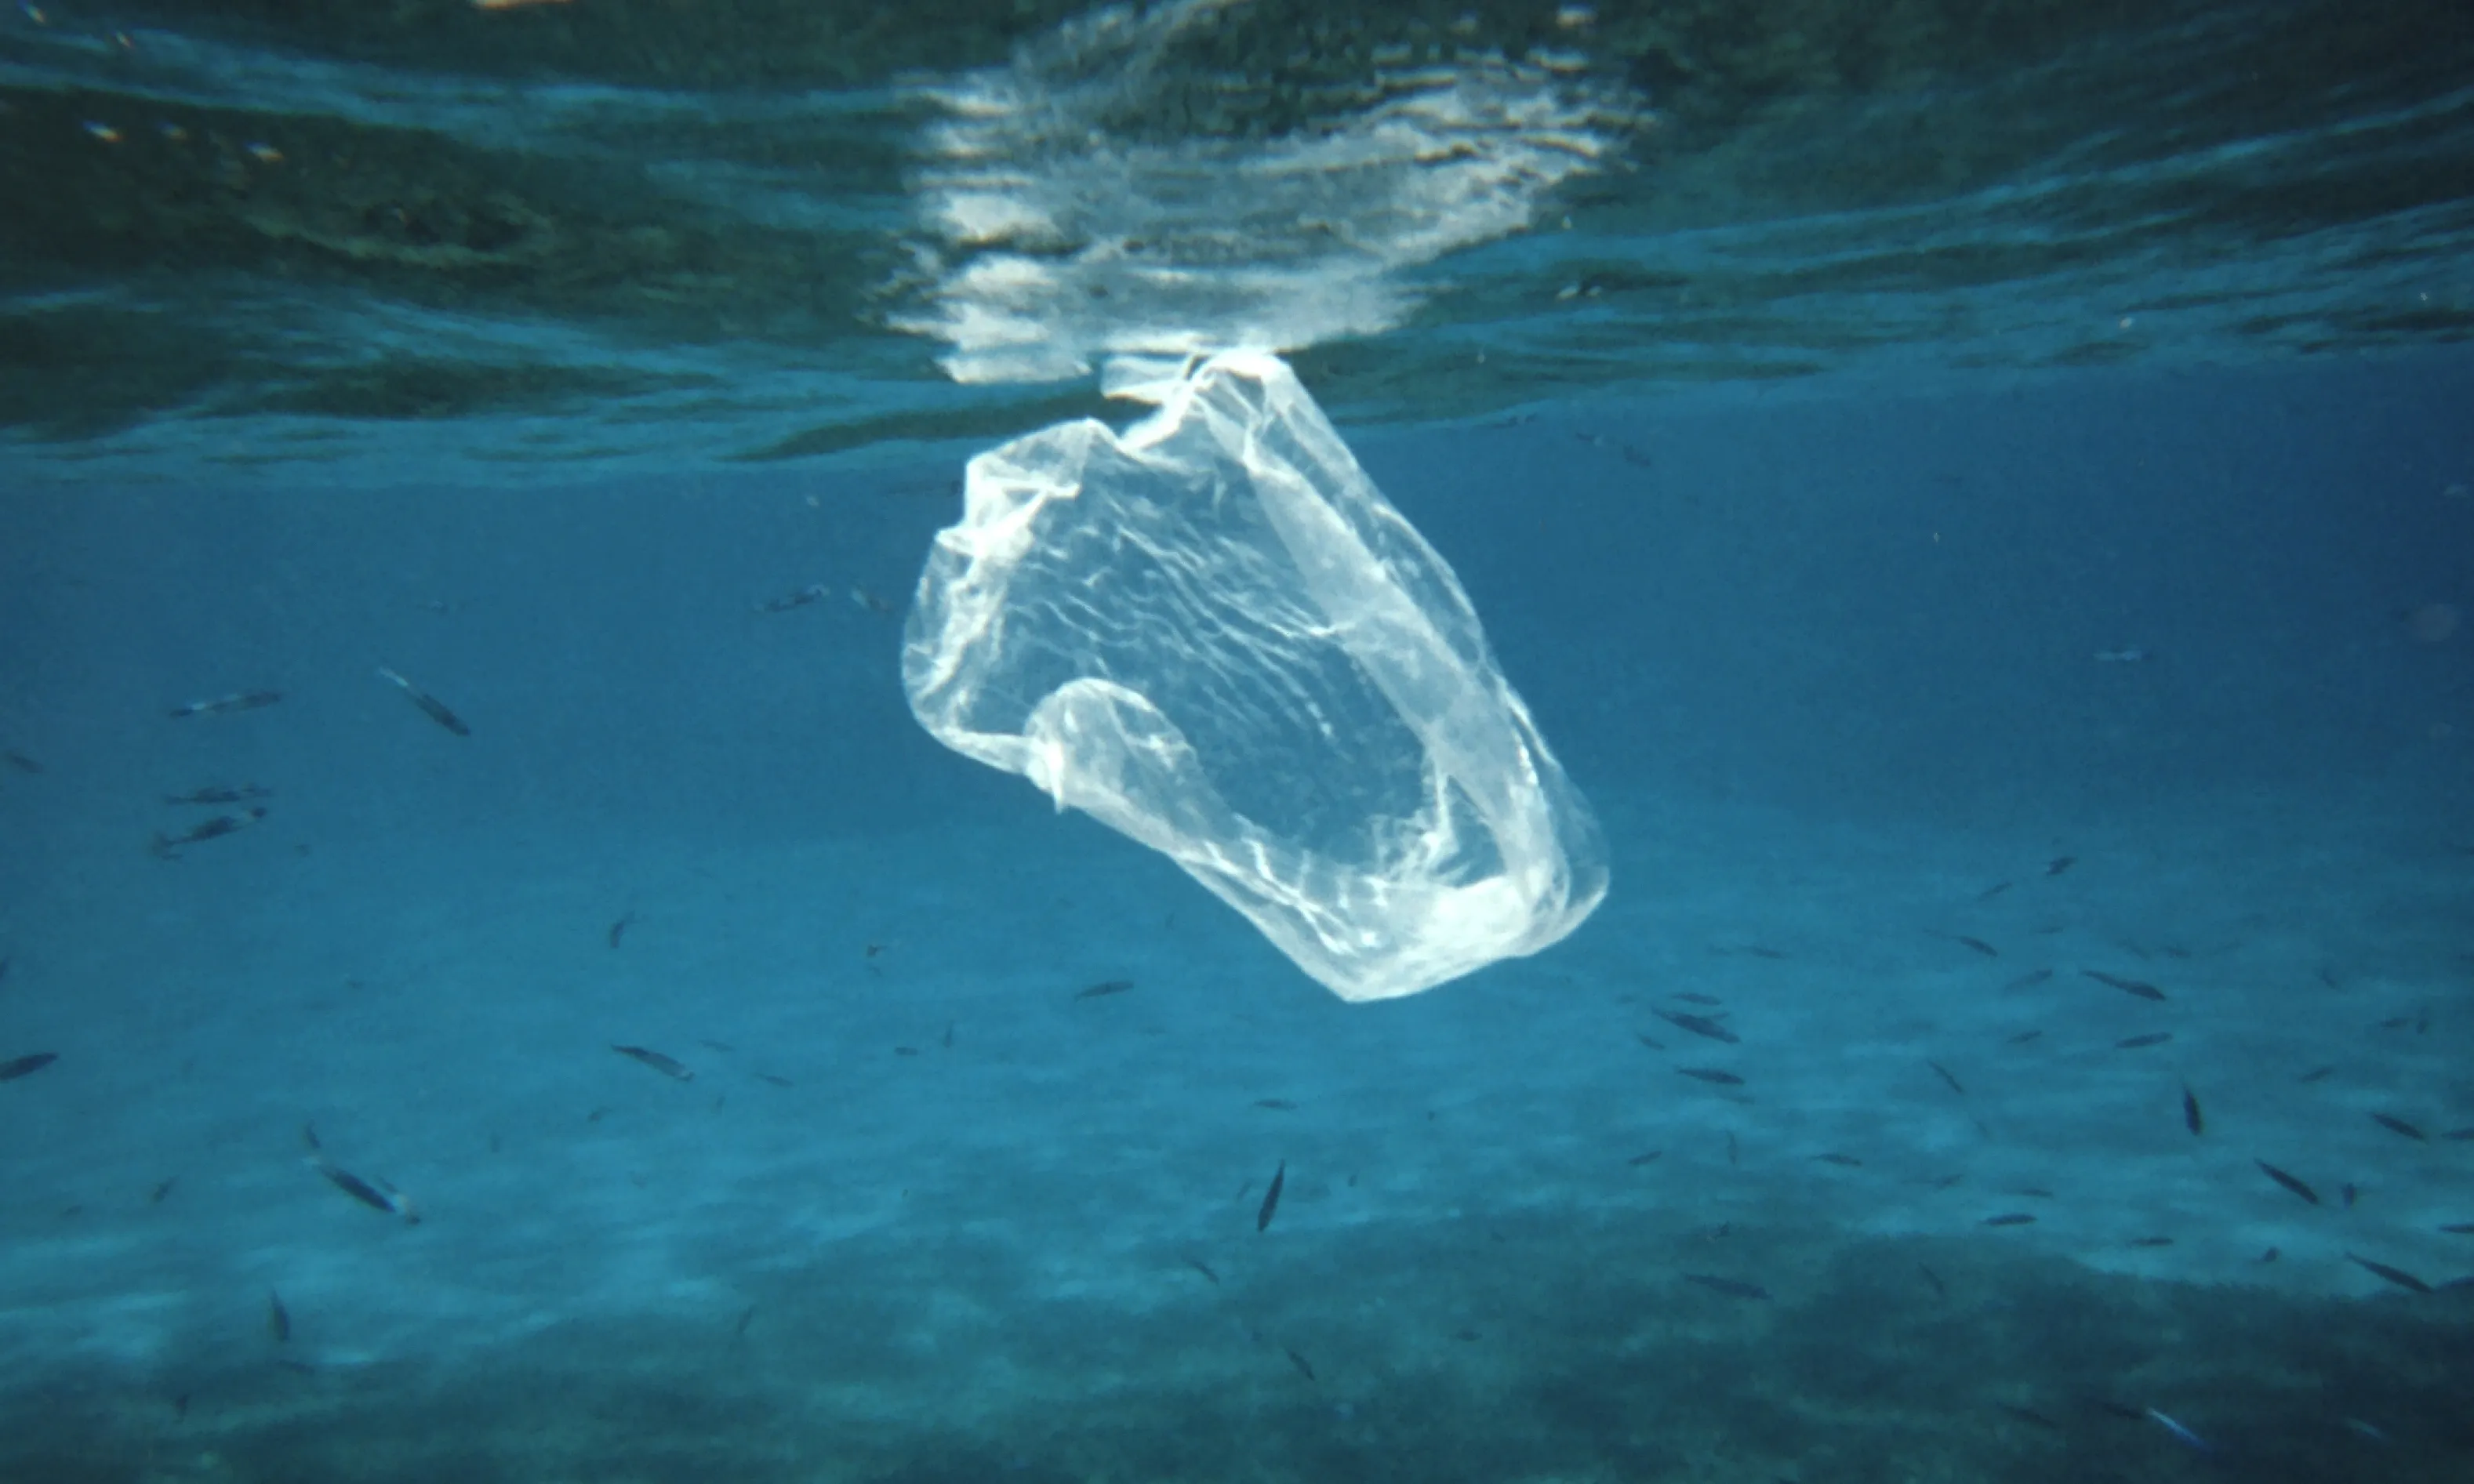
(21,762)
(799,599)
(1977,943)
(2315,1074)
(378,1195)
(279,1319)
(162,1190)
(1271,1197)
(1835,1157)
(2139,986)
(619,929)
(1731,1287)
(1104,987)
(436,708)
(1724,1079)
(1698,1025)
(2288,1182)
(666,1066)
(2016,1218)
(2192,1117)
(1204,1268)
(1645,1158)
(1993,891)
(221,792)
(237,701)
(2397,1276)
(2023,1037)
(1947,1077)
(1276,1103)
(2400,1126)
(2029,980)
(1941,1290)
(168,845)
(2151,1241)
(2151,1039)
(1299,1361)
(26,1066)
(1691,998)
(2059,864)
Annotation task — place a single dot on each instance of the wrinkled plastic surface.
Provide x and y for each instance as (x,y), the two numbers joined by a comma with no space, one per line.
(1214,634)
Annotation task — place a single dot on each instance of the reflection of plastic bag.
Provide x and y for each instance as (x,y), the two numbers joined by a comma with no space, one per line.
(1217,636)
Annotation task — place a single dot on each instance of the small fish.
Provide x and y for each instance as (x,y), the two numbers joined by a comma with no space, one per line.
(1945,1075)
(2151,1241)
(2029,980)
(1993,891)
(2016,1218)
(2185,1434)
(2288,1182)
(2397,1276)
(1835,1157)
(1758,951)
(2459,1229)
(1276,1103)
(1731,1147)
(436,710)
(1652,1042)
(1650,1158)
(1299,1361)
(1977,943)
(2399,1126)
(26,1066)
(2192,1118)
(709,1045)
(1712,1074)
(221,792)
(163,1189)
(1104,987)
(799,599)
(746,1317)
(779,1082)
(2035,1193)
(4,967)
(168,845)
(2023,1037)
(1698,1025)
(2459,1135)
(2151,1039)
(2315,1074)
(946,1041)
(619,929)
(21,762)
(1731,1287)
(1204,1268)
(237,701)
(2139,986)
(378,1195)
(667,1066)
(1941,1290)
(1691,998)
(1271,1197)
(2347,1195)
(2059,864)
(2031,1415)
(279,1319)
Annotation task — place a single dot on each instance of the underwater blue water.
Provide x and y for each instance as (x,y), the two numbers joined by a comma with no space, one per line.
(496,984)
(1830,667)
